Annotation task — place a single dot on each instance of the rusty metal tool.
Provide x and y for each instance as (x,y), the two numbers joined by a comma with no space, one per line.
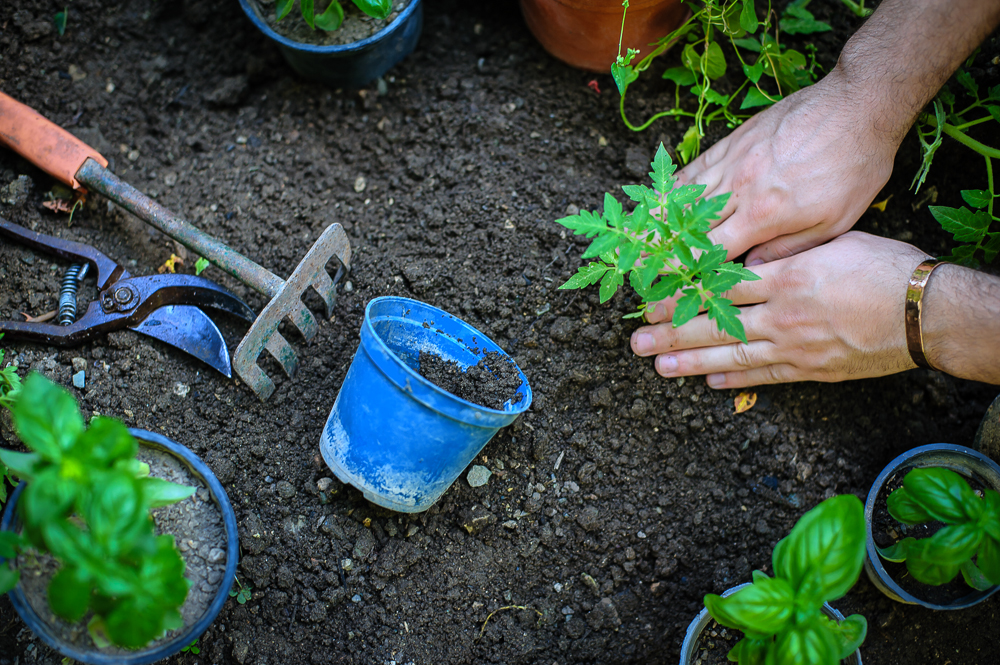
(73,162)
(165,307)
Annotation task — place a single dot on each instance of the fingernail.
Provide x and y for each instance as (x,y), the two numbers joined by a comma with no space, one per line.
(715,380)
(666,364)
(754,262)
(643,343)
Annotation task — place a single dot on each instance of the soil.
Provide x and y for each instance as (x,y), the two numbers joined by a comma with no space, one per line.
(886,532)
(714,643)
(356,26)
(616,502)
(198,530)
(491,382)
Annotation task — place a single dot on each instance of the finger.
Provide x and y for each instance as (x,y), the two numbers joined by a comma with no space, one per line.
(745,293)
(759,376)
(700,331)
(715,359)
(788,245)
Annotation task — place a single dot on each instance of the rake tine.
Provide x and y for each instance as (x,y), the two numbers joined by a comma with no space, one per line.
(303,320)
(282,351)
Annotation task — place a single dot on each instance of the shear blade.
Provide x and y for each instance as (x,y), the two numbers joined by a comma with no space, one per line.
(189,329)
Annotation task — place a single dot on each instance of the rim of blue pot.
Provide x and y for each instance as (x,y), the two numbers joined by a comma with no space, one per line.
(515,411)
(360,45)
(179,641)
(873,558)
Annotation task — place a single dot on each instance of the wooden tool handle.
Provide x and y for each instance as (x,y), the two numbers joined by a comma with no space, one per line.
(43,143)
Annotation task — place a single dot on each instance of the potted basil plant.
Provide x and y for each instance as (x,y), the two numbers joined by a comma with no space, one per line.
(786,619)
(342,47)
(927,525)
(81,554)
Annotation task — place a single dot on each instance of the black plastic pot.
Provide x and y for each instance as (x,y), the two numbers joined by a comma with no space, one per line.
(182,639)
(348,65)
(689,652)
(964,461)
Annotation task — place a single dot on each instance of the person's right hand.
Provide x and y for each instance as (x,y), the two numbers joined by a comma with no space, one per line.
(801,172)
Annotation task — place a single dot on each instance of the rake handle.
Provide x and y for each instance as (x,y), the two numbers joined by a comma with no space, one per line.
(98,178)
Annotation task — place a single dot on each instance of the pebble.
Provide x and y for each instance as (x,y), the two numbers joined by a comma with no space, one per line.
(348,286)
(510,524)
(80,380)
(216,554)
(285,489)
(558,587)
(268,479)
(79,364)
(181,389)
(356,598)
(324,484)
(347,565)
(478,476)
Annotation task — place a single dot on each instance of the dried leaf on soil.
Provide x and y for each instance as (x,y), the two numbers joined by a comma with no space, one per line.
(745,402)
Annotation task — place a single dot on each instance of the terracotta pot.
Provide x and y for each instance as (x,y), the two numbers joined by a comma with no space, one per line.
(584,33)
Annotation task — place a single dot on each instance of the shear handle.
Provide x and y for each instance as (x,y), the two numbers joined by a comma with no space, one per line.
(108,271)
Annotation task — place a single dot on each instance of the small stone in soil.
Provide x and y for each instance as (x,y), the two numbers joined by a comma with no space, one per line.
(478,476)
(490,382)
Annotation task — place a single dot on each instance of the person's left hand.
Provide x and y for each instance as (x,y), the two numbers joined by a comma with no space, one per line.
(830,313)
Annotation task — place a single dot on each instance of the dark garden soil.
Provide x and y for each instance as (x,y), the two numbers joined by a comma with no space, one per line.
(615,503)
(490,382)
(714,643)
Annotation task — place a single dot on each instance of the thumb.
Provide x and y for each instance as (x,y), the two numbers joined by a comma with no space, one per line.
(784,246)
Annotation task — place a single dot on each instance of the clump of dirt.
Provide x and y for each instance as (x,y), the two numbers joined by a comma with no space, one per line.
(356,26)
(491,382)
(714,643)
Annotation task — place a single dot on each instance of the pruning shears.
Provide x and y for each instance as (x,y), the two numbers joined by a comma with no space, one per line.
(165,307)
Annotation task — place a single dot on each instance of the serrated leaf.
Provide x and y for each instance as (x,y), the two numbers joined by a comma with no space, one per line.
(609,284)
(748,17)
(962,223)
(639,193)
(665,288)
(687,307)
(680,76)
(992,247)
(629,254)
(601,244)
(686,194)
(994,111)
(977,198)
(585,223)
(613,212)
(726,316)
(651,267)
(663,171)
(965,79)
(586,276)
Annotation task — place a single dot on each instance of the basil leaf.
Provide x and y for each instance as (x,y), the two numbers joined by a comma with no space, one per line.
(943,494)
(765,607)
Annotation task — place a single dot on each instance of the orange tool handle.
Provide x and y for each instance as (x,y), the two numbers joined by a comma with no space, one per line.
(44,143)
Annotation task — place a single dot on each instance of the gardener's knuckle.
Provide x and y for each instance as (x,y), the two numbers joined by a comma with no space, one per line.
(743,356)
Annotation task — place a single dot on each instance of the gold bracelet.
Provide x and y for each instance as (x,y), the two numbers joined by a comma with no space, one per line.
(914,311)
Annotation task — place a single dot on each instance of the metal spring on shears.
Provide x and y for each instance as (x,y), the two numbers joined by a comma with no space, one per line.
(67,294)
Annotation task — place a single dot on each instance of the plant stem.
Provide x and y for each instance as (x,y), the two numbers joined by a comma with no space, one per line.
(970,142)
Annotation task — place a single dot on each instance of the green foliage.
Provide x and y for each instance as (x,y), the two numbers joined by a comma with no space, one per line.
(781,616)
(200,265)
(971,529)
(770,69)
(333,16)
(663,247)
(60,21)
(953,116)
(192,648)
(10,386)
(242,594)
(87,503)
(858,8)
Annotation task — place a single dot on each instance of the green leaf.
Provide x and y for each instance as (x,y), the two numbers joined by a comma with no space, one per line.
(965,225)
(756,98)
(601,244)
(992,247)
(967,82)
(687,307)
(849,633)
(749,651)
(943,494)
(680,76)
(282,7)
(60,21)
(710,95)
(750,43)
(586,223)
(714,61)
(308,12)
(726,316)
(21,465)
(630,252)
(953,544)
(663,171)
(755,71)
(47,418)
(689,145)
(106,442)
(69,594)
(623,73)
(613,211)
(799,21)
(808,643)
(923,570)
(896,553)
(665,288)
(822,555)
(379,9)
(748,17)
(202,262)
(974,577)
(8,579)
(977,198)
(765,607)
(610,283)
(988,559)
(686,194)
(990,518)
(157,492)
(994,111)
(586,276)
(10,542)
(904,508)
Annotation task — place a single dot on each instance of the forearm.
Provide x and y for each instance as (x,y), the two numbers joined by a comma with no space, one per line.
(905,52)
(961,323)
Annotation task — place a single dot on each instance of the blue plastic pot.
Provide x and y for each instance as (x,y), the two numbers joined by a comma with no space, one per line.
(149,655)
(393,434)
(348,65)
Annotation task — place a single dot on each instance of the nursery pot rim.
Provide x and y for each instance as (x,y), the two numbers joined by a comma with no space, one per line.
(145,655)
(516,409)
(699,623)
(360,45)
(873,562)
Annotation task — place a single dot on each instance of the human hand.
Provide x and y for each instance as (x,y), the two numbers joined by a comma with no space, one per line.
(831,313)
(801,172)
